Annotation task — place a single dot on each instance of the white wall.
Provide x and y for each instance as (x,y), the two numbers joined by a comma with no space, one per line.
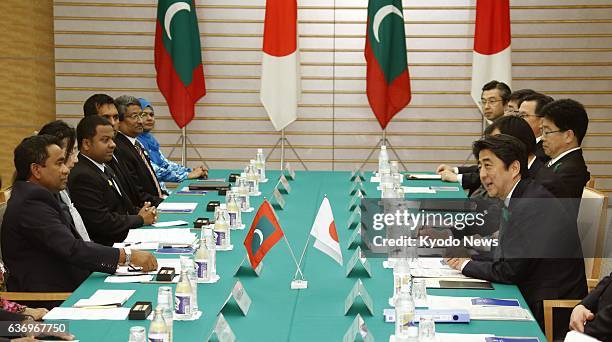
(560,47)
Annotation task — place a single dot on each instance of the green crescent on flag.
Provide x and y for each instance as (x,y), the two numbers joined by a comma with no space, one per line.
(388,80)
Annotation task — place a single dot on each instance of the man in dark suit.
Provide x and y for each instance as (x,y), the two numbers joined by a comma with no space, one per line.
(593,316)
(99,197)
(129,150)
(564,126)
(104,106)
(40,246)
(539,248)
(530,110)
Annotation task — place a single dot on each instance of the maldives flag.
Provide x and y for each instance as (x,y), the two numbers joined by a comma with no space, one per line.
(280,64)
(264,233)
(324,231)
(178,58)
(388,81)
(492,50)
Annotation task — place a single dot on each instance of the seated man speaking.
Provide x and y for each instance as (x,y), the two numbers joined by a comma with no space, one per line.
(539,248)
(40,245)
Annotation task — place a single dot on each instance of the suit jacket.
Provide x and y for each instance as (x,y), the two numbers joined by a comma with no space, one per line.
(41,250)
(137,169)
(125,181)
(566,179)
(539,250)
(599,301)
(540,154)
(107,215)
(470,177)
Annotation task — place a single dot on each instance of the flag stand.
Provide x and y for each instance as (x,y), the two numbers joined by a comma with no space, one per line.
(282,140)
(386,142)
(183,139)
(297,284)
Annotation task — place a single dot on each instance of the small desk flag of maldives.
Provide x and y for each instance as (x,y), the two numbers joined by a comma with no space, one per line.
(264,233)
(492,50)
(388,81)
(324,231)
(280,64)
(178,58)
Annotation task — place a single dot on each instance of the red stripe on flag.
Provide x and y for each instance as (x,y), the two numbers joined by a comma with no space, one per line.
(385,100)
(280,28)
(181,99)
(492,33)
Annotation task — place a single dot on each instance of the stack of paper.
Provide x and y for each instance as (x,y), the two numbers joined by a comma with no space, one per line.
(137,245)
(166,262)
(105,298)
(478,311)
(175,236)
(423,176)
(418,190)
(118,279)
(114,314)
(176,207)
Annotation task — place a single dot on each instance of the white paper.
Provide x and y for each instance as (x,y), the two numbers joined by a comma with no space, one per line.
(128,279)
(375,179)
(138,245)
(448,337)
(418,190)
(177,206)
(434,283)
(436,273)
(169,236)
(574,336)
(105,297)
(161,262)
(424,176)
(112,314)
(429,263)
(170,224)
(479,312)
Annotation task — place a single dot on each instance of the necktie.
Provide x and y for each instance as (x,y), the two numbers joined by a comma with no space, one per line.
(65,210)
(79,225)
(146,162)
(112,180)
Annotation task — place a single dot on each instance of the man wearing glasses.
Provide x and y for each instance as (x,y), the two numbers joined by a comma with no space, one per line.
(130,152)
(530,110)
(564,126)
(494,98)
(514,102)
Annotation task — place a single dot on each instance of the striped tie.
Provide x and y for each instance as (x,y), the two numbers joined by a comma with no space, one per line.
(146,162)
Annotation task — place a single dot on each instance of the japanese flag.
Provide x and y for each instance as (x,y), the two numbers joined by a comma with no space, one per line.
(324,231)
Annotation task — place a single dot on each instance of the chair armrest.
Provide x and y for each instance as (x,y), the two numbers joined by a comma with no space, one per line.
(35,296)
(549,304)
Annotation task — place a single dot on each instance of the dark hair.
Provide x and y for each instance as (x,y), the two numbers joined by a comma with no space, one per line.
(94,102)
(86,129)
(31,150)
(541,100)
(568,114)
(516,127)
(504,90)
(61,131)
(123,102)
(505,147)
(520,94)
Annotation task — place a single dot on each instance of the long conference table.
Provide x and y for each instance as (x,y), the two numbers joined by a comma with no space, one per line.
(278,313)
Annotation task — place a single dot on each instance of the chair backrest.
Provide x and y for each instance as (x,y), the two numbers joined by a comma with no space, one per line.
(592,229)
(5,195)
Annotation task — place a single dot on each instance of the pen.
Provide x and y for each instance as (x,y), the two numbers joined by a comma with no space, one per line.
(131,244)
(102,306)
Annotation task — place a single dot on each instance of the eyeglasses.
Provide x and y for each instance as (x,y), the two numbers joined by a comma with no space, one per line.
(137,116)
(524,115)
(545,133)
(492,102)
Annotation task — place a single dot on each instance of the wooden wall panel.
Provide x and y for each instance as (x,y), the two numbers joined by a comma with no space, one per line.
(27,75)
(560,47)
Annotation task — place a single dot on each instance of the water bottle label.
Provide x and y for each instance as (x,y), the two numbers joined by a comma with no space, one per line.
(219,237)
(158,337)
(232,219)
(252,184)
(182,304)
(202,269)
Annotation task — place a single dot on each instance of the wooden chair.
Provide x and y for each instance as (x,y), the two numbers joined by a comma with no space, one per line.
(591,183)
(592,230)
(5,195)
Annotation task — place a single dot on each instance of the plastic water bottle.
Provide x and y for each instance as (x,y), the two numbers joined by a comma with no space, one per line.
(260,164)
(404,314)
(188,265)
(182,297)
(222,231)
(212,252)
(243,193)
(202,260)
(164,301)
(383,161)
(401,276)
(252,179)
(395,174)
(158,331)
(233,211)
(137,334)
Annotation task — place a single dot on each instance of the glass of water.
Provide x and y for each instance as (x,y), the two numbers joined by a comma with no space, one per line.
(137,334)
(427,329)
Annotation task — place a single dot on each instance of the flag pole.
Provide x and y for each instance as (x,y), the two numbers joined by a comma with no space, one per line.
(293,256)
(302,258)
(184,145)
(282,156)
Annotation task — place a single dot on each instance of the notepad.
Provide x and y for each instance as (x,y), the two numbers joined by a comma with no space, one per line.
(172,236)
(137,245)
(170,224)
(423,176)
(105,298)
(128,279)
(418,190)
(111,314)
(177,207)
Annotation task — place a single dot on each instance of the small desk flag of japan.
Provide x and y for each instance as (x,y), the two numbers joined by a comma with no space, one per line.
(324,231)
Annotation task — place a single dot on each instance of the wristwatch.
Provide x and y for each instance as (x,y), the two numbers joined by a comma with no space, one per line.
(128,256)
